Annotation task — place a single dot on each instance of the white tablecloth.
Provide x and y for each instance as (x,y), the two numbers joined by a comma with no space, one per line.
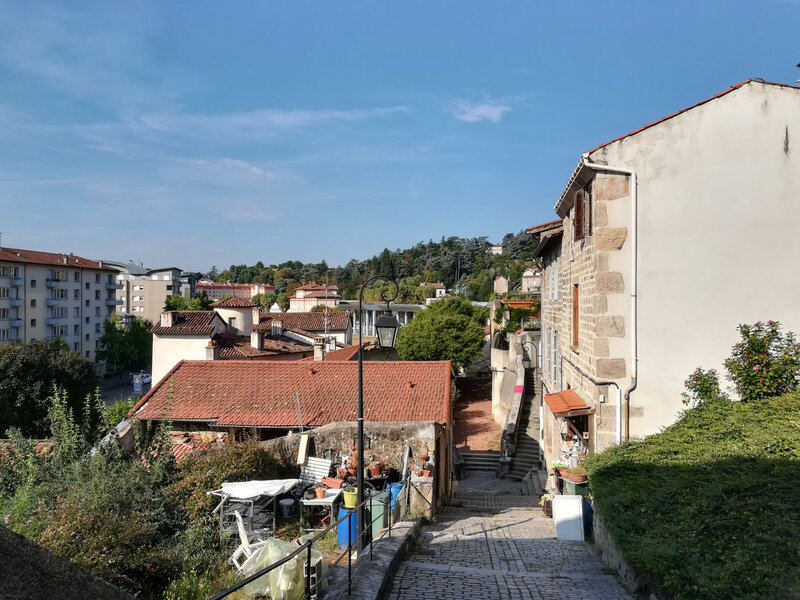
(251,489)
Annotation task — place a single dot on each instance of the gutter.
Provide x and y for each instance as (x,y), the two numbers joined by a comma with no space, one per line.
(634,284)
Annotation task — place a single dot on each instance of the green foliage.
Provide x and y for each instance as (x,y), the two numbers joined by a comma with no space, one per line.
(517,317)
(322,308)
(29,372)
(119,411)
(175,302)
(702,386)
(264,301)
(708,508)
(449,329)
(765,363)
(283,301)
(126,348)
(200,302)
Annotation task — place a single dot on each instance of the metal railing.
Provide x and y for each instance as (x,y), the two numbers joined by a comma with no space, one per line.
(307,546)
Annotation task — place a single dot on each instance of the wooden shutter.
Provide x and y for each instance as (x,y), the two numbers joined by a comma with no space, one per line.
(588,209)
(577,222)
(575,315)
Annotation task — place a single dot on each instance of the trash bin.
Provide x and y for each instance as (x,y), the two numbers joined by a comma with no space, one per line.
(377,513)
(287,507)
(350,523)
(395,489)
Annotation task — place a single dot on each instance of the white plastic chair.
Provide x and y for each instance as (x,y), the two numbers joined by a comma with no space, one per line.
(251,546)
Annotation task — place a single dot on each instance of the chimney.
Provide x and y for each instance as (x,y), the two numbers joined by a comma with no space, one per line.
(212,351)
(277,327)
(257,340)
(168,318)
(256,315)
(319,350)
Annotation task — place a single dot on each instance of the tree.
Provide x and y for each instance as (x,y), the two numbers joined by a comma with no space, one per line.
(126,348)
(29,372)
(175,302)
(264,301)
(200,302)
(323,308)
(283,301)
(449,329)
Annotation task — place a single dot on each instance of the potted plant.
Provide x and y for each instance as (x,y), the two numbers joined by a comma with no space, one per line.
(320,490)
(350,495)
(575,474)
(547,505)
(425,471)
(375,468)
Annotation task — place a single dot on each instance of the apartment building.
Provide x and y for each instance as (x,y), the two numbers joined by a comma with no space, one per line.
(217,291)
(54,295)
(143,291)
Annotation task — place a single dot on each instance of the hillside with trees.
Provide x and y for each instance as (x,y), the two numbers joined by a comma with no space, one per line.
(463,265)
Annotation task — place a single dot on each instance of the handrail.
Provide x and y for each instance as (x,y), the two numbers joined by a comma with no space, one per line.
(307,548)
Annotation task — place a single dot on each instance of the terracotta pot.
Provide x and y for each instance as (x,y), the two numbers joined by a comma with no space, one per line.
(351,471)
(320,492)
(333,482)
(424,457)
(425,473)
(375,471)
(575,478)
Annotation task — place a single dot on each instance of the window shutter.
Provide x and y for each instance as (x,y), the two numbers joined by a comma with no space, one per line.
(575,316)
(577,222)
(588,203)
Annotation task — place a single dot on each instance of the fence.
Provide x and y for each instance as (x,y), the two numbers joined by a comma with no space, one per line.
(310,572)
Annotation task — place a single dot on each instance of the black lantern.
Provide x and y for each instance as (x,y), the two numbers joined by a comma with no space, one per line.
(386,326)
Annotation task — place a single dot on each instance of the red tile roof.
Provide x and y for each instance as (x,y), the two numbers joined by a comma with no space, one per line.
(184,444)
(346,353)
(675,114)
(315,286)
(307,321)
(544,226)
(234,303)
(433,285)
(221,286)
(261,393)
(565,403)
(189,322)
(318,294)
(238,346)
(50,258)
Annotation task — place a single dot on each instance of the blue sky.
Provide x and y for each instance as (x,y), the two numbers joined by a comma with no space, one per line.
(197,134)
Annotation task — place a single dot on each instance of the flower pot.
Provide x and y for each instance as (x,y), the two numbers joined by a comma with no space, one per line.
(320,492)
(375,470)
(425,473)
(576,478)
(350,499)
(424,457)
(333,482)
(351,471)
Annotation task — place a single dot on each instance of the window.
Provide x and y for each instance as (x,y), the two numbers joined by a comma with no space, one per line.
(3,313)
(60,312)
(137,309)
(169,287)
(76,276)
(97,294)
(97,277)
(33,283)
(33,322)
(97,329)
(232,324)
(76,312)
(87,285)
(87,303)
(110,279)
(138,298)
(5,334)
(86,320)
(575,316)
(33,302)
(8,271)
(97,344)
(76,346)
(96,311)
(138,288)
(552,280)
(76,294)
(555,360)
(582,221)
(87,337)
(87,354)
(4,292)
(76,330)
(59,294)
(59,330)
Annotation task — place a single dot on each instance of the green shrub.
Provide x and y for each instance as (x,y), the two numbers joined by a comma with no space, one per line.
(766,362)
(703,386)
(708,508)
(119,411)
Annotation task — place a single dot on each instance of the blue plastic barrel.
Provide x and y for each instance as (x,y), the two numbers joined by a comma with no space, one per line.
(342,528)
(395,489)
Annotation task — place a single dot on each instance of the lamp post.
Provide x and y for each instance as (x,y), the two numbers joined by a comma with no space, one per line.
(386,326)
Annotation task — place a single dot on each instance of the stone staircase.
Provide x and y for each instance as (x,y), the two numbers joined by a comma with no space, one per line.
(481,461)
(526,455)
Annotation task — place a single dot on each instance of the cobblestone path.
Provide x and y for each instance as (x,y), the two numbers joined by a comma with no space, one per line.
(502,549)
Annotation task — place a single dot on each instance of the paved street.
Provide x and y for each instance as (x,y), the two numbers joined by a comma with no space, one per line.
(499,545)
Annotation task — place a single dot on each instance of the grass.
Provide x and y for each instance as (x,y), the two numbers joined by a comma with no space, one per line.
(708,508)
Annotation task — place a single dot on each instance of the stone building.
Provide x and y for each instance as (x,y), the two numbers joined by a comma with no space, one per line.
(671,235)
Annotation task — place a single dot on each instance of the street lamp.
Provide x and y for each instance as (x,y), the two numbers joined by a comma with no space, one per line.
(386,326)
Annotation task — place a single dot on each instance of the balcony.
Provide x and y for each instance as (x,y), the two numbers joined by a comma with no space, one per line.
(113,286)
(54,302)
(17,323)
(113,302)
(53,283)
(53,320)
(17,281)
(17,302)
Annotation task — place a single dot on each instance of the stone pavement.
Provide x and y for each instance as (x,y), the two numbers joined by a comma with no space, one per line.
(499,544)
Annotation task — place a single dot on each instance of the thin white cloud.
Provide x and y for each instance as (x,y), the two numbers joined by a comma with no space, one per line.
(245,210)
(232,166)
(471,112)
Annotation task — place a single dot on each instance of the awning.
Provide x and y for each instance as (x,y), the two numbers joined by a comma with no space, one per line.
(567,403)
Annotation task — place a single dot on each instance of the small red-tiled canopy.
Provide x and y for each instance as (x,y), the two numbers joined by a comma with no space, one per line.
(237,393)
(234,302)
(567,403)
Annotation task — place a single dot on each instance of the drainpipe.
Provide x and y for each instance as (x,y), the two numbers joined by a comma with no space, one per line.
(634,288)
